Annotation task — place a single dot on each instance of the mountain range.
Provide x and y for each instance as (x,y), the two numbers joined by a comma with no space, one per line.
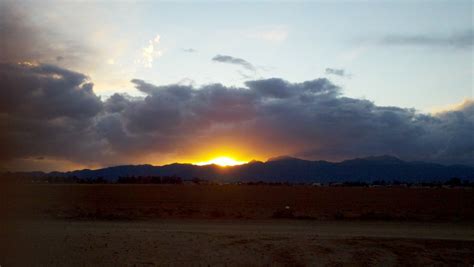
(286,169)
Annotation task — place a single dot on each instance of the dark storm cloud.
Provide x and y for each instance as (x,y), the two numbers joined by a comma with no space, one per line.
(337,72)
(46,111)
(278,88)
(234,60)
(310,117)
(463,39)
(45,92)
(50,112)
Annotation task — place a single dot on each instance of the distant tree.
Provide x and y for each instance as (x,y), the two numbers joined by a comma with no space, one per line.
(196,180)
(100,180)
(379,182)
(453,182)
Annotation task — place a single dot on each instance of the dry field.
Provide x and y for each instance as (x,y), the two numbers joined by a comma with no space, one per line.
(146,225)
(132,202)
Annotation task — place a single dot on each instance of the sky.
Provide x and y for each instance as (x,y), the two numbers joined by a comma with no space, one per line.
(99,83)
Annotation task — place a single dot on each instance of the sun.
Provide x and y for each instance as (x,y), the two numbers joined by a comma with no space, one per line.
(222,161)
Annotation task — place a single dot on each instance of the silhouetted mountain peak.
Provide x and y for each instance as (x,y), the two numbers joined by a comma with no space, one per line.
(283,158)
(286,169)
(383,159)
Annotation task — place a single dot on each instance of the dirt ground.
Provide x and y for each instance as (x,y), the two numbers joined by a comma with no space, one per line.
(230,225)
(238,243)
(132,202)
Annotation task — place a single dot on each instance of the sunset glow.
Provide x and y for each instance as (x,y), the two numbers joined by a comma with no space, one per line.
(221,161)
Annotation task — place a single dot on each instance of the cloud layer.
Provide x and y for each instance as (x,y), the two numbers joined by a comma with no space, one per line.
(234,60)
(26,40)
(47,111)
(151,52)
(337,72)
(464,39)
(52,113)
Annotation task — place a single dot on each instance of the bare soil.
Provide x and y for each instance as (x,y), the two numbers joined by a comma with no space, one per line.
(230,225)
(135,202)
(238,243)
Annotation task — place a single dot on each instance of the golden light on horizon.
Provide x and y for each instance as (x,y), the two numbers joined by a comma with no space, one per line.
(221,161)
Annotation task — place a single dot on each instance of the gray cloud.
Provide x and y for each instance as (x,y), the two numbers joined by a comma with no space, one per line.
(20,38)
(310,118)
(25,40)
(234,60)
(464,39)
(189,50)
(49,112)
(337,72)
(45,91)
